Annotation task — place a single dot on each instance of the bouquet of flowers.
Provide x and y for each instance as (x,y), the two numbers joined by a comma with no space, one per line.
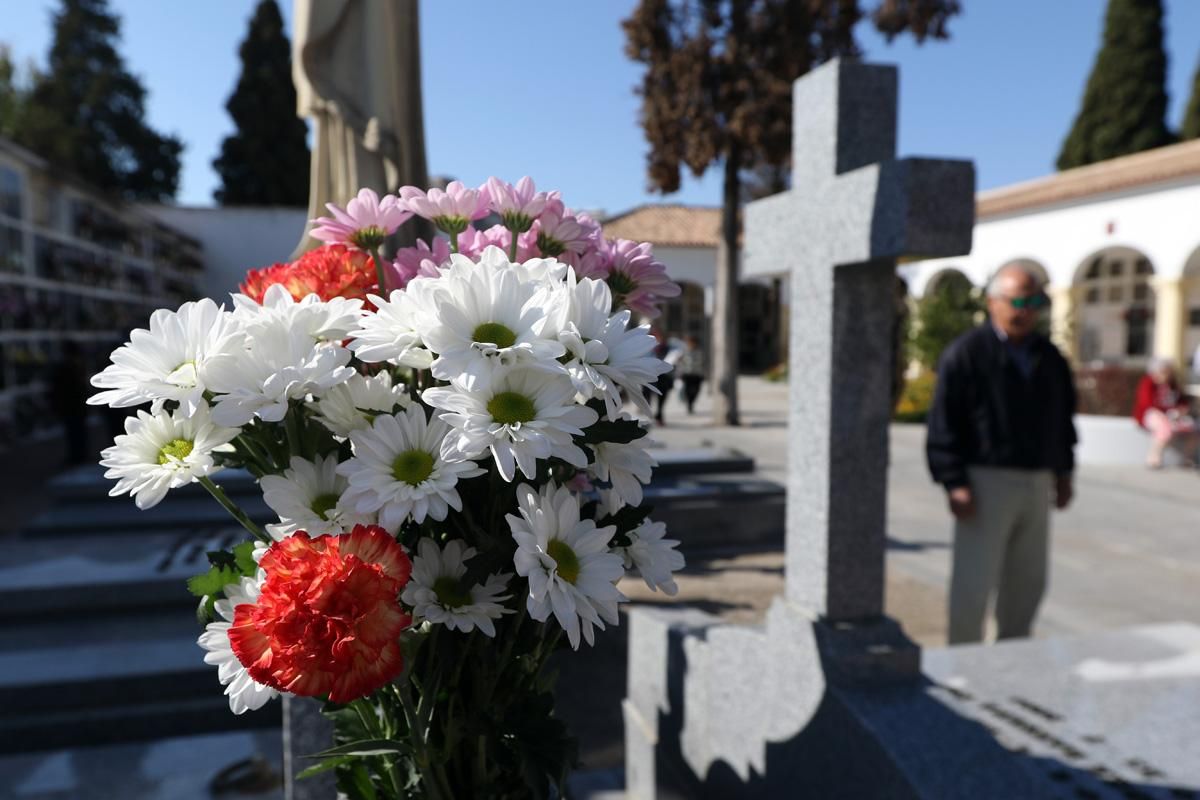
(442,438)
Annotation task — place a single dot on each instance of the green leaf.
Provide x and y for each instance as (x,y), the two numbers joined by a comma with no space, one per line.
(243,556)
(206,611)
(324,766)
(621,431)
(355,781)
(212,582)
(221,559)
(364,747)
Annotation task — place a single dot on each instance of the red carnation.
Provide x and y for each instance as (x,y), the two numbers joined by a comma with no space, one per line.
(328,620)
(330,271)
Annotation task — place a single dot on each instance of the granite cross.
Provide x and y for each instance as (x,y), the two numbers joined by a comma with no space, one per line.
(853,210)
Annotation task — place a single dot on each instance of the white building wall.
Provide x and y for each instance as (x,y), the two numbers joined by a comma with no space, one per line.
(1159,221)
(236,239)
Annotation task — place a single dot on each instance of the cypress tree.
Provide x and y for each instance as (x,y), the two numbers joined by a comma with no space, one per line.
(86,113)
(1191,118)
(1125,102)
(266,161)
(11,98)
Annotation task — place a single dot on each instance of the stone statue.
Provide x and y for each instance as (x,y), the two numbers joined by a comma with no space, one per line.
(357,69)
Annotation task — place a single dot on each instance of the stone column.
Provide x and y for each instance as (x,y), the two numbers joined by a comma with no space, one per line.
(1062,320)
(1168,319)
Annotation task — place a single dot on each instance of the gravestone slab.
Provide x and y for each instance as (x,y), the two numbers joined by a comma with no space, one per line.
(1111,714)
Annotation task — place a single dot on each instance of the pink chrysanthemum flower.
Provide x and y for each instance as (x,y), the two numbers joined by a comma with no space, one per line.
(637,281)
(451,210)
(472,242)
(593,263)
(364,223)
(422,261)
(517,206)
(559,231)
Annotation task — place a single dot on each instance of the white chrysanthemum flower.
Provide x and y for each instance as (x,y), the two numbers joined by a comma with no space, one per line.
(159,452)
(437,592)
(322,320)
(605,355)
(566,561)
(522,416)
(625,467)
(351,406)
(400,467)
(244,693)
(278,365)
(390,334)
(306,498)
(163,363)
(654,557)
(483,317)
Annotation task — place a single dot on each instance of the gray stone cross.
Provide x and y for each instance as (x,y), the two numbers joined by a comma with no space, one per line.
(853,210)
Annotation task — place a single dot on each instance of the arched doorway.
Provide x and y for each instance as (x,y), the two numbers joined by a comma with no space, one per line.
(1115,314)
(684,315)
(948,279)
(758,327)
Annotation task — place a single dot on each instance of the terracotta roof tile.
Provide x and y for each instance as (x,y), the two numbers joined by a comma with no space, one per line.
(667,225)
(1140,169)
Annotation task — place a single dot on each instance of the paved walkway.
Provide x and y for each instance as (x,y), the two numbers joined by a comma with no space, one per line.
(1127,551)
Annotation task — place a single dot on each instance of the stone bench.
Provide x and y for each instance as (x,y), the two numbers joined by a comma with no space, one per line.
(1106,441)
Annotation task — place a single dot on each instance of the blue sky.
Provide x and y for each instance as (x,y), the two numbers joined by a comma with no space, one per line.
(542,87)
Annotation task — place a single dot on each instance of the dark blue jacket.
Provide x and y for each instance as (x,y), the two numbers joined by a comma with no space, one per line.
(986,412)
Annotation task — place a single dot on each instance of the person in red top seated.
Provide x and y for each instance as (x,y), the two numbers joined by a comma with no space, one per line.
(1162,408)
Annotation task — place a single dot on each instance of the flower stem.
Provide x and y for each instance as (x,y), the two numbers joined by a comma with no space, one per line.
(295,442)
(380,275)
(219,495)
(512,247)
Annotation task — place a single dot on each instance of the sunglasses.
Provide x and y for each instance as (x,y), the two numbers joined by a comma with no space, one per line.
(1034,302)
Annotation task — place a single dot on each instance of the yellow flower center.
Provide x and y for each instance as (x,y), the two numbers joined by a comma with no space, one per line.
(176,448)
(323,504)
(451,593)
(510,408)
(412,467)
(565,558)
(494,333)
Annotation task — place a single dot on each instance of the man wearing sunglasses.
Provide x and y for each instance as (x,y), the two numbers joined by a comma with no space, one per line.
(1001,441)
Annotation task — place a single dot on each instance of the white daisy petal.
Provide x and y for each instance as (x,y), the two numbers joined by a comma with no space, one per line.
(401,468)
(523,415)
(244,693)
(438,592)
(163,451)
(566,561)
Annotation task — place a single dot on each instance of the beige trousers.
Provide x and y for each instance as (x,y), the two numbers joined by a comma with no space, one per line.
(1001,551)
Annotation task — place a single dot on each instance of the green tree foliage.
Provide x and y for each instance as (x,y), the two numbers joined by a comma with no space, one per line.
(1191,117)
(266,162)
(12,97)
(1125,102)
(86,112)
(951,308)
(718,90)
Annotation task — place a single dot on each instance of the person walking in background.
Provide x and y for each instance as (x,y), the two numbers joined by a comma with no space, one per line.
(691,367)
(665,382)
(1161,407)
(1001,441)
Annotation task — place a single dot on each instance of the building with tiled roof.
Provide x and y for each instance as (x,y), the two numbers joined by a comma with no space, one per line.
(686,239)
(1118,243)
(668,225)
